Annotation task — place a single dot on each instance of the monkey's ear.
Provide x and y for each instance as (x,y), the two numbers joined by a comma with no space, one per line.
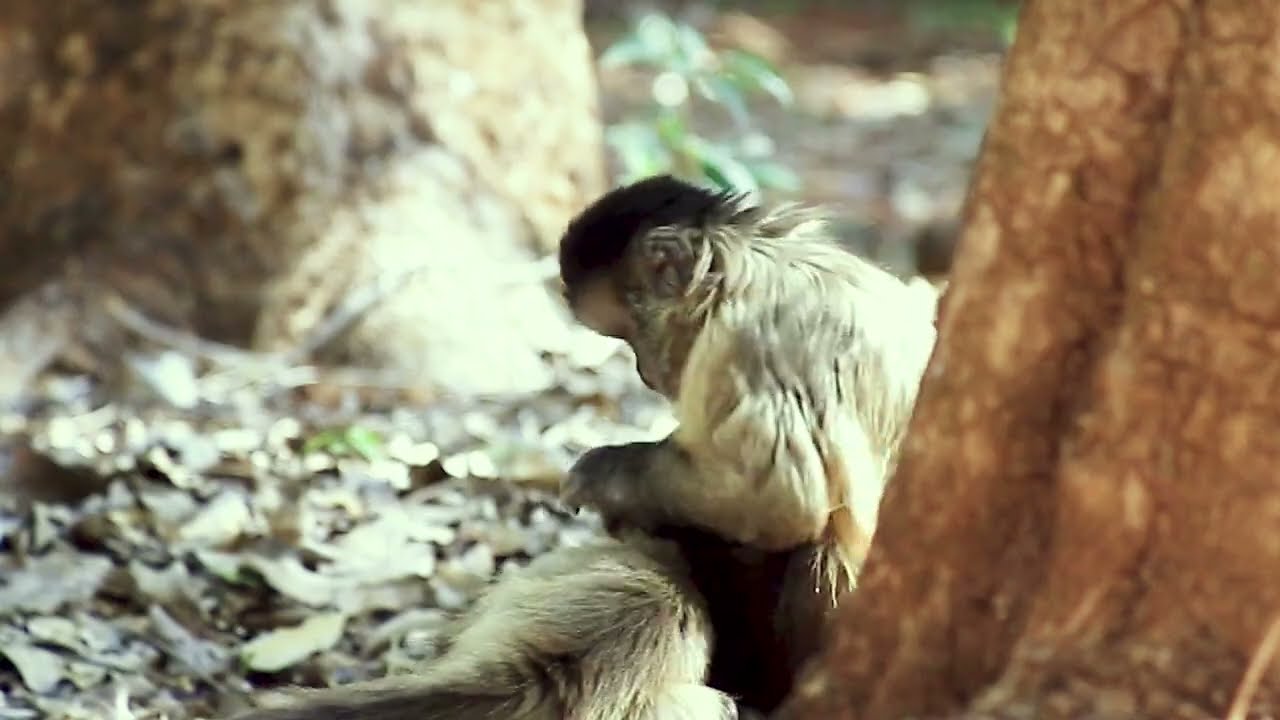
(667,264)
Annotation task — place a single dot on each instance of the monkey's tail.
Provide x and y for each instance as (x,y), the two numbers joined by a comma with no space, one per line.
(420,701)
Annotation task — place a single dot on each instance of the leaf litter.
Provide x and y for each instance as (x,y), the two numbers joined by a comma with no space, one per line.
(167,555)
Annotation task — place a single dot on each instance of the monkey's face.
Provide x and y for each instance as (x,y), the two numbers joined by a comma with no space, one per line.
(640,283)
(598,305)
(622,305)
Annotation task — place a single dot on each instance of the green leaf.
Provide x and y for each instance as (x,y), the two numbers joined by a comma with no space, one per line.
(365,442)
(345,441)
(655,41)
(692,46)
(630,50)
(775,175)
(640,150)
(671,129)
(729,174)
(751,71)
(328,441)
(722,168)
(998,16)
(720,89)
(658,33)
(1009,28)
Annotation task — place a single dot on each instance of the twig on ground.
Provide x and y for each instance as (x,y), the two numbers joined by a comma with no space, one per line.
(1258,665)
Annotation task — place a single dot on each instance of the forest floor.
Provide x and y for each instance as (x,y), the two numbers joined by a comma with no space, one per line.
(226,525)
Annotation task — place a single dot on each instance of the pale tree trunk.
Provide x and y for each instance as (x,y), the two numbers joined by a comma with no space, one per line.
(1086,520)
(243,169)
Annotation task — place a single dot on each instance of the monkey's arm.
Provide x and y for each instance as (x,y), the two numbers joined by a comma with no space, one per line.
(648,484)
(639,484)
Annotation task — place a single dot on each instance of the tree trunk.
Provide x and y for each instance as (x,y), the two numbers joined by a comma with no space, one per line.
(246,168)
(1084,523)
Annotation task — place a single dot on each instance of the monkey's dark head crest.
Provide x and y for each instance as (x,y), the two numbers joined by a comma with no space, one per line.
(598,237)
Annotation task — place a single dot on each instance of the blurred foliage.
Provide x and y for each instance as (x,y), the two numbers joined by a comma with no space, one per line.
(689,71)
(1000,16)
(351,441)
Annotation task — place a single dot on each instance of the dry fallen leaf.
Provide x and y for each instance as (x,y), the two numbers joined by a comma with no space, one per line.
(85,675)
(165,585)
(221,521)
(286,574)
(379,551)
(170,507)
(169,375)
(276,650)
(414,619)
(50,581)
(59,631)
(41,670)
(202,656)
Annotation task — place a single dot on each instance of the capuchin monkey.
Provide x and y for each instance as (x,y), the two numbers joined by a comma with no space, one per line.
(793,366)
(607,631)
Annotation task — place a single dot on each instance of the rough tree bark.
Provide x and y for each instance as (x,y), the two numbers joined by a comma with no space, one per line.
(1086,520)
(243,168)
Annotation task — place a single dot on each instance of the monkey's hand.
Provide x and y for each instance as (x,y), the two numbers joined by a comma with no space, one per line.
(613,480)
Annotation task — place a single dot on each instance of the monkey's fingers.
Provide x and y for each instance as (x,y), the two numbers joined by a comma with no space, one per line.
(601,480)
(574,488)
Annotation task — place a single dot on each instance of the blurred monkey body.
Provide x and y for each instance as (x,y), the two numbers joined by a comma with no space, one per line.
(793,366)
(607,631)
(752,659)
